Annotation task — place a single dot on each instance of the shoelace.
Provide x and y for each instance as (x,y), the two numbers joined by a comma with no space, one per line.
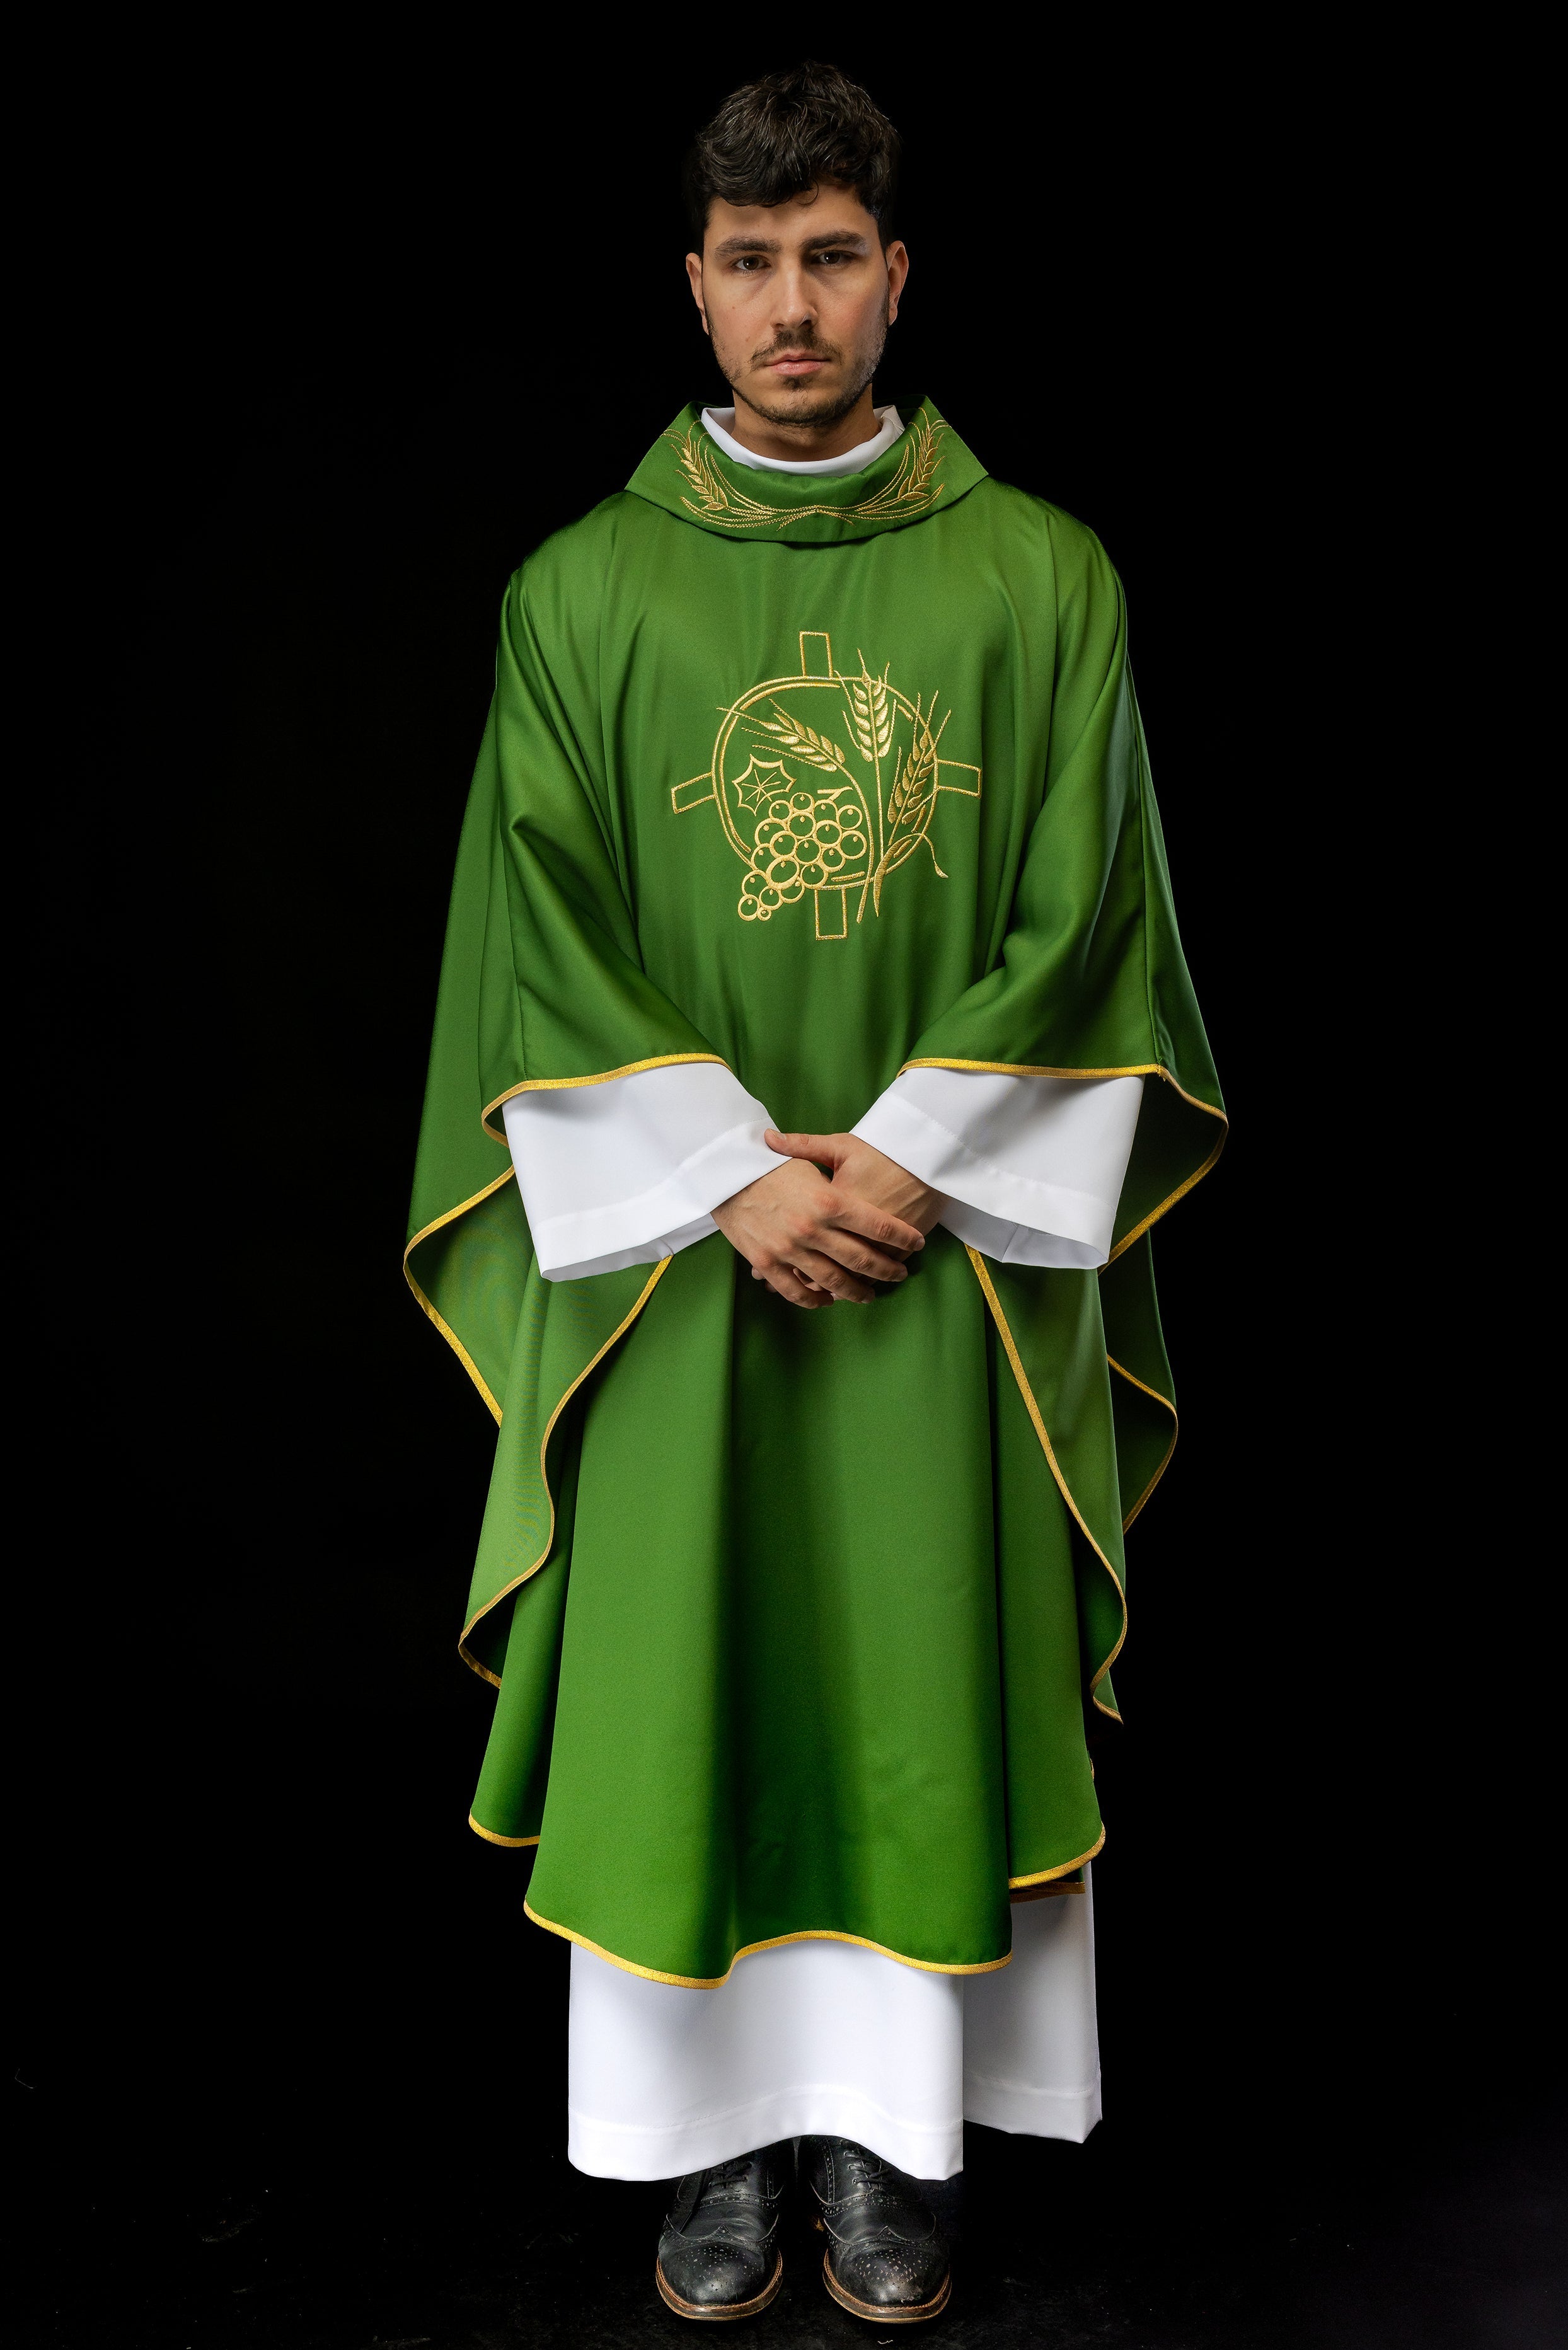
(854,2172)
(726,2180)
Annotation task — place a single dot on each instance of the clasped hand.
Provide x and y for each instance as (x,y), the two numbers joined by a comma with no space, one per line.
(816,1238)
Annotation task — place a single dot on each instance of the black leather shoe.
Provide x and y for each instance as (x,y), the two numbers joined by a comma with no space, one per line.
(719,2255)
(886,2258)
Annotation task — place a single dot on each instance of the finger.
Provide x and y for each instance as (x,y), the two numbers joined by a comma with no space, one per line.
(790,1287)
(797,1287)
(872,1263)
(876,1224)
(822,1149)
(834,1277)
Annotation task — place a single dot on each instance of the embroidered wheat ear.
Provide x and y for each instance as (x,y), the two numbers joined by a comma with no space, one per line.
(923,451)
(913,796)
(804,741)
(914,787)
(688,455)
(714,497)
(870,712)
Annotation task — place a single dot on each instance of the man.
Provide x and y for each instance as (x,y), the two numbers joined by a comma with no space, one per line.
(811,948)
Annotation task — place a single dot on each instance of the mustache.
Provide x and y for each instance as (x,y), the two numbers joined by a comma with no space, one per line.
(795,346)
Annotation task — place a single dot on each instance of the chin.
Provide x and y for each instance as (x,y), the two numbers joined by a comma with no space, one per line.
(804,404)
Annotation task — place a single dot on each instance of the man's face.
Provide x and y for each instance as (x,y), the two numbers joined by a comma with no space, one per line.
(798,298)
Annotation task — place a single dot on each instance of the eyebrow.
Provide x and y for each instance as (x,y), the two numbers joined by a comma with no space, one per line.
(775,245)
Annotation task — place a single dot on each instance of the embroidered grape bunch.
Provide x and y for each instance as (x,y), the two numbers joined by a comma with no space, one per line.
(819,834)
(809,841)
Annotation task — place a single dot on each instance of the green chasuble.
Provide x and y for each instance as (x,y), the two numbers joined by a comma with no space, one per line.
(794,1615)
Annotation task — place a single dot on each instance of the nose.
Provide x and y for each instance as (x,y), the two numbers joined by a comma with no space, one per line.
(796,302)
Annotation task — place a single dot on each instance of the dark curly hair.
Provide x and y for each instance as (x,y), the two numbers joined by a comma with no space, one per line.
(779,136)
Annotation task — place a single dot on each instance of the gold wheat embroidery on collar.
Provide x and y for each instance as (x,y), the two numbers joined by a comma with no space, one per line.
(912,490)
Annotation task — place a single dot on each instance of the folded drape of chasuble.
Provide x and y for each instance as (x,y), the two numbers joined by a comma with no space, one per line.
(794,1615)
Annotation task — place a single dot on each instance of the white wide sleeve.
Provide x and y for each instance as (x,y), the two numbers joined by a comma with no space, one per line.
(625,1172)
(1030,1167)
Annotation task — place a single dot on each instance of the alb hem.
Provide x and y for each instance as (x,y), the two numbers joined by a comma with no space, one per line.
(924,2149)
(1069,2113)
(613,2150)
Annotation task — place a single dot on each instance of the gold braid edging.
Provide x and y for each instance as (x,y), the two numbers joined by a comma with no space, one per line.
(659,1270)
(491,1835)
(775,1941)
(1047,1877)
(599,1077)
(1027,1392)
(1164,1401)
(426,1305)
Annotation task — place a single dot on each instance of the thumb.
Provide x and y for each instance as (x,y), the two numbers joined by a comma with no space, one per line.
(822,1149)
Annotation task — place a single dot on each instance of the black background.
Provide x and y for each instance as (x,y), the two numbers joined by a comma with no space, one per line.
(332,373)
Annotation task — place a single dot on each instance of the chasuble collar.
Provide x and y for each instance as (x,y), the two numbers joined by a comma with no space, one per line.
(889,425)
(927,469)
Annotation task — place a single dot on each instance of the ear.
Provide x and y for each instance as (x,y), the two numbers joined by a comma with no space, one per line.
(897,260)
(694,279)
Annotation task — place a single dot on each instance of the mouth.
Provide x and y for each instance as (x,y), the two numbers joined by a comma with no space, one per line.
(797,366)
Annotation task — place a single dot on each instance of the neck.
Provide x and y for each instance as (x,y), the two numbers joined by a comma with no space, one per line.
(808,440)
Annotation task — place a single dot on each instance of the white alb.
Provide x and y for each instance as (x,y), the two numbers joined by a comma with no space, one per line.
(833,2038)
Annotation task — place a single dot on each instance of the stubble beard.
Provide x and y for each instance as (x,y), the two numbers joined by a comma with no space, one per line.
(805,406)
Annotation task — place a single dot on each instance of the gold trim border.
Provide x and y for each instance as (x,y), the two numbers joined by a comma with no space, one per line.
(601,1077)
(775,1942)
(426,1307)
(1027,1392)
(514,1843)
(1043,1876)
(654,1278)
(1122,1372)
(1041,1070)
(1140,1069)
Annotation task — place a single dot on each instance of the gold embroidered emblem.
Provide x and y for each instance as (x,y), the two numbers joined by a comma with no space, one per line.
(827,784)
(911,491)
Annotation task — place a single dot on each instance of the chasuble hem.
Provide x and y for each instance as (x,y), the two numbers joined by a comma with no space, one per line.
(1022,1886)
(1026,1391)
(1165,1402)
(1147,1223)
(1063,1869)
(428,1307)
(518,1580)
(774,1942)
(491,1835)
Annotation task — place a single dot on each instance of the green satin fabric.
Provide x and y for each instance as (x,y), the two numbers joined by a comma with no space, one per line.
(794,1615)
(761,1691)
